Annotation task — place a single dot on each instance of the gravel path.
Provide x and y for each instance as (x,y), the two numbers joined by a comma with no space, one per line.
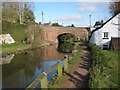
(78,78)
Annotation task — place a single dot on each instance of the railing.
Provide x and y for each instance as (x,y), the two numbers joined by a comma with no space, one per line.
(43,77)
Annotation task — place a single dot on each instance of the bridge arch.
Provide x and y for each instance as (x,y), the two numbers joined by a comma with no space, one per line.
(60,35)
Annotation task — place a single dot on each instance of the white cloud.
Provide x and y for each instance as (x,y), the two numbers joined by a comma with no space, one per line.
(69,18)
(78,21)
(94,0)
(86,7)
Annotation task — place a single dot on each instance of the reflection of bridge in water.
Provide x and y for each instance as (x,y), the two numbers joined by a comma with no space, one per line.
(52,33)
(51,53)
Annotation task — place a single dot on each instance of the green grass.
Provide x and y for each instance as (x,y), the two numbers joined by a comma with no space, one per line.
(76,57)
(16,30)
(6,48)
(54,82)
(104,70)
(113,67)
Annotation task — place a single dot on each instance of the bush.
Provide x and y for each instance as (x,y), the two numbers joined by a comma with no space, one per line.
(100,71)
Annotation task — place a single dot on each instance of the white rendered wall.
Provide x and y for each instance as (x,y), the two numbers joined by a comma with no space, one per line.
(111,27)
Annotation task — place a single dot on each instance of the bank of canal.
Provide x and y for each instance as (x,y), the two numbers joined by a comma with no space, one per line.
(24,67)
(20,47)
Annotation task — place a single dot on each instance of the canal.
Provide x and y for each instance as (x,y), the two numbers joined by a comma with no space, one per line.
(19,70)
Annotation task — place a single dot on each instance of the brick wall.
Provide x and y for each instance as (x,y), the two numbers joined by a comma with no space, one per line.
(51,33)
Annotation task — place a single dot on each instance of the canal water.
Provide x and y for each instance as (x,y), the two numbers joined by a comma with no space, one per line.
(19,70)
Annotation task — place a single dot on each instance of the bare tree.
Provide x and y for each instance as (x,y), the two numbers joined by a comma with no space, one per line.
(19,11)
(114,7)
(9,11)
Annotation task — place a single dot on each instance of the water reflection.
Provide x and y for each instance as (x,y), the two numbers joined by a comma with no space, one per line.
(65,47)
(7,59)
(25,67)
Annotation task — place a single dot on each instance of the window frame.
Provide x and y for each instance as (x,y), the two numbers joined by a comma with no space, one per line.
(105,35)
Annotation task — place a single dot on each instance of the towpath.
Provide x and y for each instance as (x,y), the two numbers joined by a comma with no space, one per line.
(79,76)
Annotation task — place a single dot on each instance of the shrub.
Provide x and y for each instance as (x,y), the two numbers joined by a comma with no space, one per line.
(100,73)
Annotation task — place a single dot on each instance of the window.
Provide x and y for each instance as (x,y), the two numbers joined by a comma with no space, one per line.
(105,35)
(105,47)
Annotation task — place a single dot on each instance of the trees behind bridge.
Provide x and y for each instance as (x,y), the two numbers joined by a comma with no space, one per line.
(72,25)
(65,38)
(56,24)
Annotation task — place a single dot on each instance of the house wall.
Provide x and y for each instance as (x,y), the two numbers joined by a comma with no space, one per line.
(111,27)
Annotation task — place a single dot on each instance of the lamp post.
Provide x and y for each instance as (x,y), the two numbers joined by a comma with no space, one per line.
(42,17)
(90,21)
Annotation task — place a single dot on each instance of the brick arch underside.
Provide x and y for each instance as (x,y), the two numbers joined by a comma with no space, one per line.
(53,34)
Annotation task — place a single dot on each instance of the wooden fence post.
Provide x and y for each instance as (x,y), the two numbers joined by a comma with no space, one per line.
(59,69)
(66,63)
(44,83)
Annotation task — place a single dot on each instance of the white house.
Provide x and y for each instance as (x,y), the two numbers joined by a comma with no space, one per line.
(102,35)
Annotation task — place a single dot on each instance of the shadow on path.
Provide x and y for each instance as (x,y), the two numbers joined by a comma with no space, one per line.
(79,78)
(81,75)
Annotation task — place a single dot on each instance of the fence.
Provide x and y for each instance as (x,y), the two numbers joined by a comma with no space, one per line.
(43,77)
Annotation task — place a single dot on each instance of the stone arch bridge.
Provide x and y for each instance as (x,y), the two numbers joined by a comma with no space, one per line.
(52,33)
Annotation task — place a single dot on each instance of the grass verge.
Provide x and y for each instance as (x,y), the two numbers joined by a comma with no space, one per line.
(15,47)
(18,46)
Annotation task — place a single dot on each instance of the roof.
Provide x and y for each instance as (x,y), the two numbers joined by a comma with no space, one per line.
(104,23)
